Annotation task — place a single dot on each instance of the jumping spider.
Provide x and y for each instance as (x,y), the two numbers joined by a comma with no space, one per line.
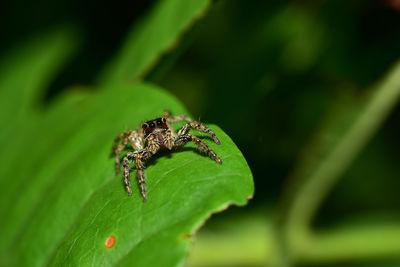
(155,135)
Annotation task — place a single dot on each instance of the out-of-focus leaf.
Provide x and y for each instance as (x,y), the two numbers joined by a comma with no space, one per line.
(151,37)
(25,72)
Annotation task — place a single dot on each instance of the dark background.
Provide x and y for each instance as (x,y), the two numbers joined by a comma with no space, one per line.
(267,72)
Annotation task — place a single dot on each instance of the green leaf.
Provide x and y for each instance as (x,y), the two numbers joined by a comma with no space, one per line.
(60,199)
(24,74)
(151,37)
(26,71)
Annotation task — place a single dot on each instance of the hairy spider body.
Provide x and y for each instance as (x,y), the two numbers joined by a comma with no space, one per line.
(152,136)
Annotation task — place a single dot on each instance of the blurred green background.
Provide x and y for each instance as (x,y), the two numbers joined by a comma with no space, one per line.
(275,76)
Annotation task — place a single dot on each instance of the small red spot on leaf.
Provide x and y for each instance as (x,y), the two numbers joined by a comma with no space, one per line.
(110,242)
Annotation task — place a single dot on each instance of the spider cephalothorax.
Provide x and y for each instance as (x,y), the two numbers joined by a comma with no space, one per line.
(155,135)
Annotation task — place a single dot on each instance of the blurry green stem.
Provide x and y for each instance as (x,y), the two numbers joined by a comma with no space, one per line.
(316,187)
(353,244)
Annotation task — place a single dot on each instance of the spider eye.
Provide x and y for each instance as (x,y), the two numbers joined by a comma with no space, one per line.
(152,125)
(159,122)
(144,126)
(164,120)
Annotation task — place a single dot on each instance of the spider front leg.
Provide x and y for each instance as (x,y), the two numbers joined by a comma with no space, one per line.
(125,165)
(191,125)
(183,139)
(199,127)
(138,157)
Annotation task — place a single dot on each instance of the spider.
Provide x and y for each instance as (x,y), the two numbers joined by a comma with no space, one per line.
(152,136)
